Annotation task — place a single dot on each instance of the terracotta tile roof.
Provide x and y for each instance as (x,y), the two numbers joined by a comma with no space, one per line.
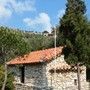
(37,56)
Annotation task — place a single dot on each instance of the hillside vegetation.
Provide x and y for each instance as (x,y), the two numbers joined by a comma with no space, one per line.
(14,43)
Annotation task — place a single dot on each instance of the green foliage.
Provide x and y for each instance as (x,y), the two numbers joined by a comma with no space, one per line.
(10,78)
(11,43)
(74,31)
(38,42)
(14,43)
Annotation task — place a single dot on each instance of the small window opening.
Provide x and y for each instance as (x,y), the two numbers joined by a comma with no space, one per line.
(22,70)
(88,74)
(58,70)
(51,71)
(75,81)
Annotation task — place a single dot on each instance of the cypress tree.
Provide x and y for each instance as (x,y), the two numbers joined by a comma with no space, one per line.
(75,31)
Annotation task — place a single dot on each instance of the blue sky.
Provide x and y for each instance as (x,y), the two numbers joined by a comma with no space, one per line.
(33,15)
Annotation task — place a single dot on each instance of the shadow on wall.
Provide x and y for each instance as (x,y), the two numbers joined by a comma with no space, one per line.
(36,76)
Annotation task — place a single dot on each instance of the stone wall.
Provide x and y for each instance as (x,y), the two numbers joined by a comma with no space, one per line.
(16,72)
(20,86)
(38,77)
(67,80)
(35,75)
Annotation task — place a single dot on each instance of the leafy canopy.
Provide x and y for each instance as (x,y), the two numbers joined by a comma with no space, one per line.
(11,43)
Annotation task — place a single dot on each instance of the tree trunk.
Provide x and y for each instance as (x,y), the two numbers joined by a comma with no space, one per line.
(5,75)
(5,79)
(78,76)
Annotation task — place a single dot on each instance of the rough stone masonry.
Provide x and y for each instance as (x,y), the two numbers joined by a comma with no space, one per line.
(43,76)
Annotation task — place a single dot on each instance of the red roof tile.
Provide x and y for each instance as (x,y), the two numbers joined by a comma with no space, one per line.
(37,56)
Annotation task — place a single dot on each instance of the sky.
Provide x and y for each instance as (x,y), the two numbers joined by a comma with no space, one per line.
(33,15)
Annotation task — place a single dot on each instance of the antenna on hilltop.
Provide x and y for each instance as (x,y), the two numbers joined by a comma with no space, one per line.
(55,41)
(55,53)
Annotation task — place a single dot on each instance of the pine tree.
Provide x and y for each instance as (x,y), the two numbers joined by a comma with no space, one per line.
(75,31)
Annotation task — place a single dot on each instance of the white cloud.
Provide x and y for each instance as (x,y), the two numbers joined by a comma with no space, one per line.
(20,6)
(7,7)
(60,13)
(4,13)
(41,22)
